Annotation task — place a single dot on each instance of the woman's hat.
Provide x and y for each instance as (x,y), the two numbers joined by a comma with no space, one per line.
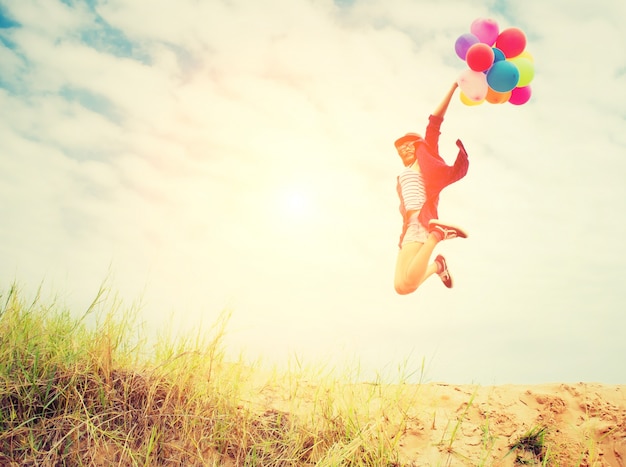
(409,137)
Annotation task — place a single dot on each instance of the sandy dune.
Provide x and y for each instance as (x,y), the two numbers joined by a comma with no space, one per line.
(436,424)
(585,424)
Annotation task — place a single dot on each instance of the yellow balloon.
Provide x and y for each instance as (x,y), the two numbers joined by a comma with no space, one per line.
(526,54)
(467,101)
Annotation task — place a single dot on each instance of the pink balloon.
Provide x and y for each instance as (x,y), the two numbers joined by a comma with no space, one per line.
(473,84)
(479,57)
(486,30)
(511,42)
(520,96)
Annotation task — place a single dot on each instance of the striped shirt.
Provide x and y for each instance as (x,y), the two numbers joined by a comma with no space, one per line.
(412,189)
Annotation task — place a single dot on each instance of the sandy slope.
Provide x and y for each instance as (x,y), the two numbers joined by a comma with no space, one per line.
(585,425)
(455,425)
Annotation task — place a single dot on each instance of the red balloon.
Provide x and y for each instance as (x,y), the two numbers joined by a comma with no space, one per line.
(511,42)
(479,57)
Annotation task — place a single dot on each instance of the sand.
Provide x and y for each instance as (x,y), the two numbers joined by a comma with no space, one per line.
(585,424)
(437,424)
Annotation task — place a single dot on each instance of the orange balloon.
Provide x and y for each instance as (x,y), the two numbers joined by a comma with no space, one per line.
(495,97)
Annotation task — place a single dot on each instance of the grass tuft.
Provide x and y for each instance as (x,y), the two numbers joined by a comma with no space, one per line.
(530,448)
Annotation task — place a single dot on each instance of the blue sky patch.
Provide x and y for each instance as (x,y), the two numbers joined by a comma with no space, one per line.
(5,21)
(90,100)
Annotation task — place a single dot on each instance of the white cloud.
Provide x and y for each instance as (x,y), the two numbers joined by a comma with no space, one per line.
(175,163)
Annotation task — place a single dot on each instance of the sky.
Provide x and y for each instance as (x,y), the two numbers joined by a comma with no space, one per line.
(203,156)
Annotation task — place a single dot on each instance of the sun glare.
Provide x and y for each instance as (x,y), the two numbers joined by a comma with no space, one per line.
(294,204)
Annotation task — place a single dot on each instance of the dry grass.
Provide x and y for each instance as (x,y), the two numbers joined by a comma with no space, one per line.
(75,393)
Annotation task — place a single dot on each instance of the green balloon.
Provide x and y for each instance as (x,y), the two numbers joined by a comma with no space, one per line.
(526,70)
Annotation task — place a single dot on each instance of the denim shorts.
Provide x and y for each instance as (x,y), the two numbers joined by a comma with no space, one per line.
(415,231)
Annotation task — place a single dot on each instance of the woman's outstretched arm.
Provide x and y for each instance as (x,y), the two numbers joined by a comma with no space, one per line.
(440,111)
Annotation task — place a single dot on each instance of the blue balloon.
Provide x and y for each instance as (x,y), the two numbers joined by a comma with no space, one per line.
(498,55)
(502,76)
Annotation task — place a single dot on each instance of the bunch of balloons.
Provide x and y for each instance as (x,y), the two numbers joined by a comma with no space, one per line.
(500,68)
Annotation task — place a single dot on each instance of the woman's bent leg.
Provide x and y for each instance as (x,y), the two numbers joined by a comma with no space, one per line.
(412,267)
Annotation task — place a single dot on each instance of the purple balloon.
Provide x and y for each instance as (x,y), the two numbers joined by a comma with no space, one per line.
(463,43)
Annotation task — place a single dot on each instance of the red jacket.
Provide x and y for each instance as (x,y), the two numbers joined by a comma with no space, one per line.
(436,173)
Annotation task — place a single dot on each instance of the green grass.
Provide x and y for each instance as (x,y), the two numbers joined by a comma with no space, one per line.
(87,391)
(530,448)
